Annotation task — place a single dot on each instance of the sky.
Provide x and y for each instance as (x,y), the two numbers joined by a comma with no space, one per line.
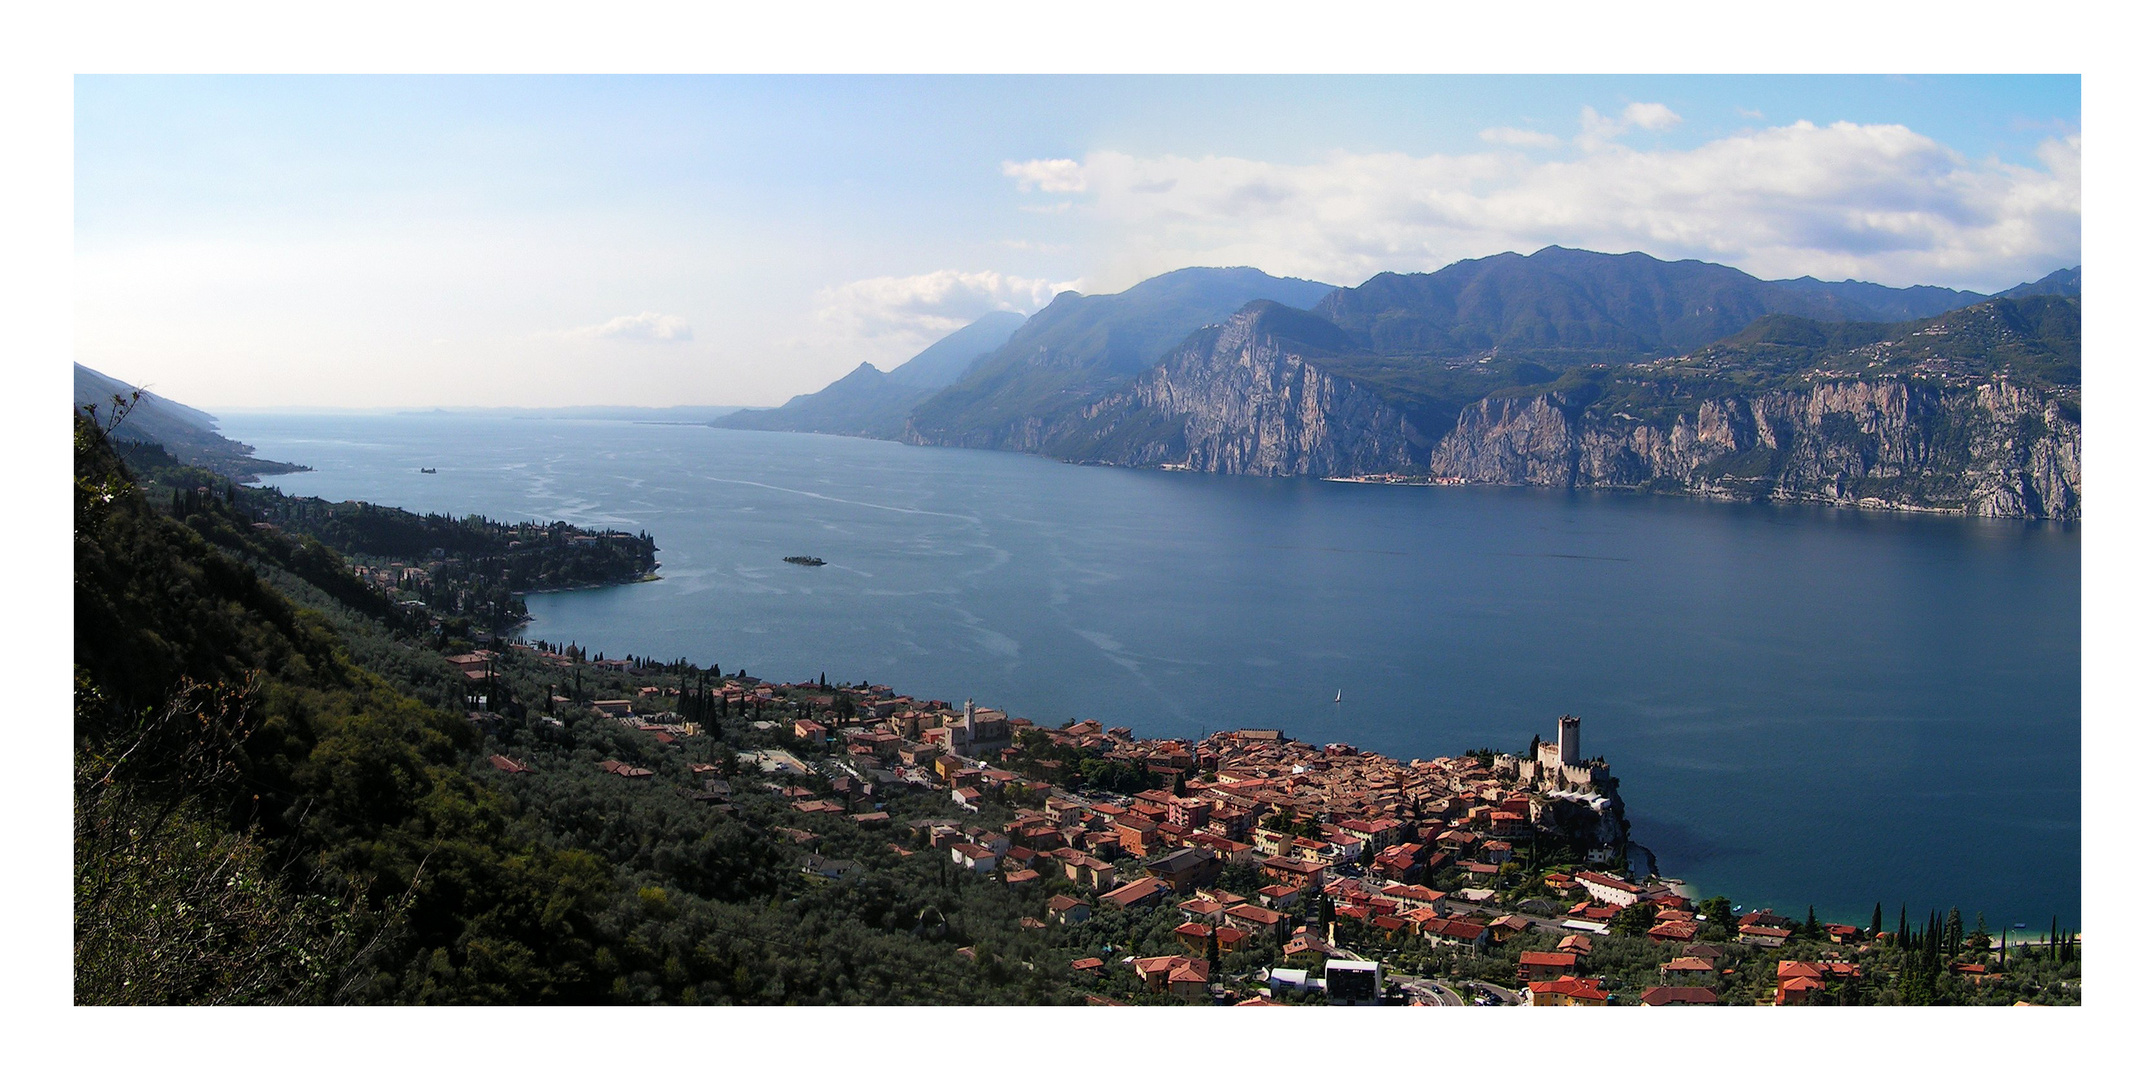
(319,241)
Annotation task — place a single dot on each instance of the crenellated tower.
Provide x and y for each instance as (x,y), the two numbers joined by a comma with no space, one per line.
(1567,740)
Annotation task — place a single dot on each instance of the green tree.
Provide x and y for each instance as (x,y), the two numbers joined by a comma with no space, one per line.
(1634,920)
(1720,918)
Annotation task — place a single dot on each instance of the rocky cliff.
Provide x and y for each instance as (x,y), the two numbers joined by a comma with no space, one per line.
(1993,448)
(1561,369)
(1257,397)
(1240,398)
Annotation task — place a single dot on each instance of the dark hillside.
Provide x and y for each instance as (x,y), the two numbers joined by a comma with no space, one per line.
(261,819)
(2064,282)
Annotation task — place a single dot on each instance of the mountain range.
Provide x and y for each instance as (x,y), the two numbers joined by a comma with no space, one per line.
(1075,349)
(1233,370)
(874,404)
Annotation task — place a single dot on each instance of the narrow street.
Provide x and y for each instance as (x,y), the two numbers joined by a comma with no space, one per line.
(1429,991)
(1508,997)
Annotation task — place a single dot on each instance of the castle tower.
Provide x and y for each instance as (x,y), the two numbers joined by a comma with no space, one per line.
(1567,740)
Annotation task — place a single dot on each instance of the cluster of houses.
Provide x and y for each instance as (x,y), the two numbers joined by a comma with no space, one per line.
(1295,813)
(1354,830)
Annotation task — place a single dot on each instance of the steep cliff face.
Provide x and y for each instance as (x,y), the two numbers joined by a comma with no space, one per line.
(1994,449)
(1240,398)
(1080,349)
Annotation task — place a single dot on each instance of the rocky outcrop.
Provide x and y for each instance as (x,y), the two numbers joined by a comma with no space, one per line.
(1240,398)
(1994,448)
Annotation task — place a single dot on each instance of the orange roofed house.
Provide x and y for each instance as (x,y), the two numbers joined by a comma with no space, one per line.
(1544,966)
(1569,990)
(1184,977)
(1140,893)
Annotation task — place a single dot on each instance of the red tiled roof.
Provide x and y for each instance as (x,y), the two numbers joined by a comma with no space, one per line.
(1136,891)
(1570,986)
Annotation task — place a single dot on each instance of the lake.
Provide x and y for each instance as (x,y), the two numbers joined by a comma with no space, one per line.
(1803,705)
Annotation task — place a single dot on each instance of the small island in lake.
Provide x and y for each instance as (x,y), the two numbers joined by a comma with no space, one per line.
(804,560)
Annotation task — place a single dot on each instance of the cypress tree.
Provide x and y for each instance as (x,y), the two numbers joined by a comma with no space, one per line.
(1878,919)
(1953,932)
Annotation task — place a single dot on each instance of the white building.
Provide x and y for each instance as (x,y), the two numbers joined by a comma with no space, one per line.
(1609,890)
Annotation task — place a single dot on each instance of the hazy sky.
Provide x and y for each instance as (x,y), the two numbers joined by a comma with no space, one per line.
(736,240)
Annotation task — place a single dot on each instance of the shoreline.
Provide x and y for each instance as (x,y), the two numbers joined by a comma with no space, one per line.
(654,575)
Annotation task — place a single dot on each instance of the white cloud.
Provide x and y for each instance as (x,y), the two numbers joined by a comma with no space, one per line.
(1874,201)
(1050,175)
(644,326)
(1510,136)
(913,311)
(1596,129)
(1653,116)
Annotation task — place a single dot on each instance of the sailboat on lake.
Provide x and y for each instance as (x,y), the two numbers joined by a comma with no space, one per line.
(1336,696)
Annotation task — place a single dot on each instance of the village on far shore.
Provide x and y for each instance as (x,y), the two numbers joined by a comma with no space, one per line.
(1292,873)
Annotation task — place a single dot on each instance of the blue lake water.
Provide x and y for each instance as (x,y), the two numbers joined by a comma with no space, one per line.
(1804,705)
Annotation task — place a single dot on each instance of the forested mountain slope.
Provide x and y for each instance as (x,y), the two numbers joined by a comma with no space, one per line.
(279,799)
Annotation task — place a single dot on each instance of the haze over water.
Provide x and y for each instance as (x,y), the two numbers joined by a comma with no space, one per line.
(1803,705)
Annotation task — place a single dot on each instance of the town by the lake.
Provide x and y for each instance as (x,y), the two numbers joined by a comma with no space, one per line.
(1282,872)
